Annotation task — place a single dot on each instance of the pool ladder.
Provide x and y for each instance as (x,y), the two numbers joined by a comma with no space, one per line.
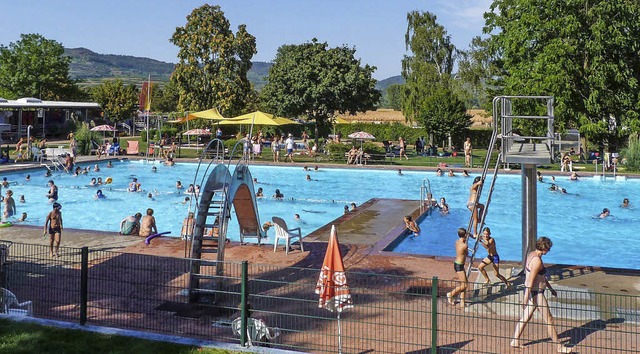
(426,196)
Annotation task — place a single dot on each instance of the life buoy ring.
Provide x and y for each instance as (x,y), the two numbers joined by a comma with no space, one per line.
(108,180)
(6,224)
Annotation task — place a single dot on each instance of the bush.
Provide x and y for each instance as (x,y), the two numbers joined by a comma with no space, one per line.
(337,150)
(632,153)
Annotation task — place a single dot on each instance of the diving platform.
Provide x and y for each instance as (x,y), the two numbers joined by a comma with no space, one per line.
(529,153)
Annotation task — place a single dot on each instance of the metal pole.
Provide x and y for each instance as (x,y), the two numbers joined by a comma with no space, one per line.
(434,315)
(529,210)
(339,335)
(243,304)
(84,284)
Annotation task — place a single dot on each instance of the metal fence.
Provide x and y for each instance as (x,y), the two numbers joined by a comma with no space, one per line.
(392,313)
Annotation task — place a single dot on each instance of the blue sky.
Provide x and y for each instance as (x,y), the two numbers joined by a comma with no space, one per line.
(375,28)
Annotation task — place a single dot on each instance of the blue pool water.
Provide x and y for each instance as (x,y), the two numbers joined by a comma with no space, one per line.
(567,219)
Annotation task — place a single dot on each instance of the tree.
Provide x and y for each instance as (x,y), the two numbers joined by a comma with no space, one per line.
(213,62)
(393,97)
(118,101)
(164,98)
(428,95)
(316,81)
(36,67)
(584,53)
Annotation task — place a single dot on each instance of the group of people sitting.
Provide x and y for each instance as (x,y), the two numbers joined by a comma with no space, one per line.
(137,225)
(355,155)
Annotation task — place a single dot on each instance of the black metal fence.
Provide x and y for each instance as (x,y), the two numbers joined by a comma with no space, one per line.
(392,313)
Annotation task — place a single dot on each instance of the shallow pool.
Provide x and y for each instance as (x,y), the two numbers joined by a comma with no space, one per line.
(566,218)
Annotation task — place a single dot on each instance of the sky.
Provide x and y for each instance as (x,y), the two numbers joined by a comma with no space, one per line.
(376,28)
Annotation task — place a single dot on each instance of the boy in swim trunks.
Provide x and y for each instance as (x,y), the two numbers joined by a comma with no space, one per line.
(489,243)
(462,249)
(411,225)
(53,226)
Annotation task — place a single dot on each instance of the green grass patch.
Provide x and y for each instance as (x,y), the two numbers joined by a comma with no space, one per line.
(19,338)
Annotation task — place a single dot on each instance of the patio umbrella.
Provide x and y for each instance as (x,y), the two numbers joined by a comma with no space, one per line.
(197,132)
(258,118)
(104,128)
(332,282)
(361,136)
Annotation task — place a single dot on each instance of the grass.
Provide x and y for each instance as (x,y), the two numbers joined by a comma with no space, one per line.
(19,338)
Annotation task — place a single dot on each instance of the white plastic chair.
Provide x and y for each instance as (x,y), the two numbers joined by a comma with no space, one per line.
(284,233)
(257,330)
(9,304)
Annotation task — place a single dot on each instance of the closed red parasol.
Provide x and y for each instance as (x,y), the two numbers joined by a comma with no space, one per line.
(332,282)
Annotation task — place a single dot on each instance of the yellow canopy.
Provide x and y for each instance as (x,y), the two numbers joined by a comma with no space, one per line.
(211,114)
(339,120)
(257,118)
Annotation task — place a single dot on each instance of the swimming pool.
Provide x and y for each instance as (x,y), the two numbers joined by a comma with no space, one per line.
(571,220)
(566,218)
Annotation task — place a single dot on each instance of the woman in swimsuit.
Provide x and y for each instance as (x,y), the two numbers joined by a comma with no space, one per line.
(475,208)
(534,299)
(53,227)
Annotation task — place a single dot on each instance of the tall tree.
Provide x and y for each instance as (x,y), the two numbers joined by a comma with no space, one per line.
(585,53)
(164,98)
(428,96)
(36,67)
(118,101)
(316,81)
(213,62)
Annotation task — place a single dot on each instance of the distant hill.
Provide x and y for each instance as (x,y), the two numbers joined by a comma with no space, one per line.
(92,68)
(383,84)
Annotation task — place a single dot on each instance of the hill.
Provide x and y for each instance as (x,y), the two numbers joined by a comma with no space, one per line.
(92,68)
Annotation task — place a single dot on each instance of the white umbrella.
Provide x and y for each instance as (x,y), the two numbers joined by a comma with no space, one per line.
(198,132)
(104,128)
(362,136)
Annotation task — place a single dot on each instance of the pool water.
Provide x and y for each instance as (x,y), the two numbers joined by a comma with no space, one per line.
(571,221)
(568,219)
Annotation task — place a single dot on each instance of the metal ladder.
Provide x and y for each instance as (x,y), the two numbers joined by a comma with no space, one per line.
(213,211)
(426,196)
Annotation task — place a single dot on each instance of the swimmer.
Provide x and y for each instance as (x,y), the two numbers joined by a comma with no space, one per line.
(100,181)
(53,192)
(353,206)
(278,195)
(625,203)
(473,206)
(48,173)
(22,199)
(99,194)
(5,183)
(439,172)
(109,165)
(315,168)
(492,258)
(553,178)
(154,169)
(186,200)
(96,168)
(150,196)
(93,182)
(465,173)
(451,174)
(169,162)
(134,186)
(9,205)
(309,178)
(574,176)
(539,176)
(605,213)
(553,187)
(28,178)
(179,185)
(306,168)
(191,189)
(22,218)
(259,193)
(412,226)
(444,207)
(400,172)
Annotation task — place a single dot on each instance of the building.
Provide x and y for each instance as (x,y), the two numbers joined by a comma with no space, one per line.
(45,118)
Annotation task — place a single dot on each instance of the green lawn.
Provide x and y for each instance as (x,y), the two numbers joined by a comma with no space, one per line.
(17,338)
